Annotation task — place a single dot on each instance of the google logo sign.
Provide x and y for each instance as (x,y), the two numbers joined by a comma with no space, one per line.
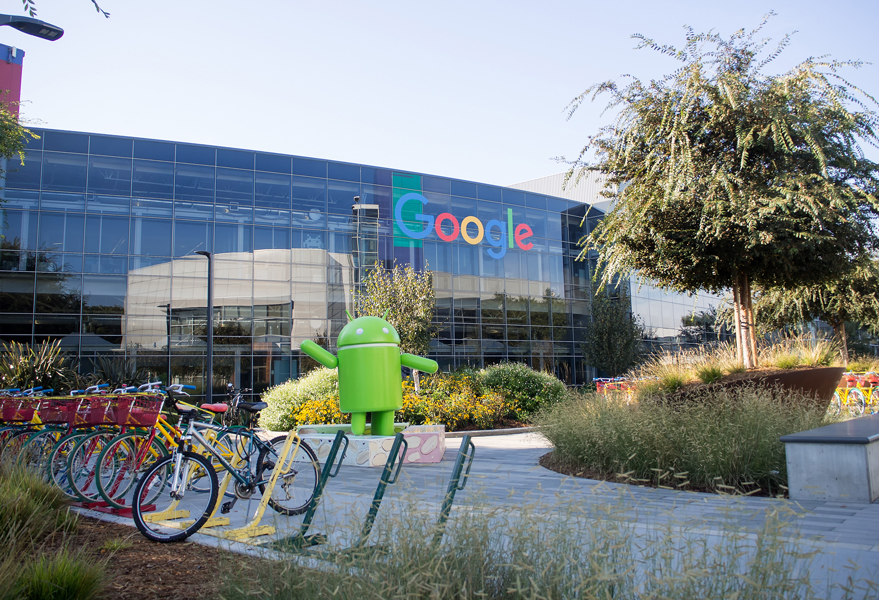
(465,228)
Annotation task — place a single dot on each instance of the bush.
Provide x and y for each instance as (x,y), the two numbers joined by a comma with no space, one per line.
(454,399)
(285,401)
(524,389)
(719,439)
(25,366)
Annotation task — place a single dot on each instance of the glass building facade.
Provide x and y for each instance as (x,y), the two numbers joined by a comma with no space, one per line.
(100,234)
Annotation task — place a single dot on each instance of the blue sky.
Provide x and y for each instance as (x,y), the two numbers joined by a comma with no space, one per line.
(473,90)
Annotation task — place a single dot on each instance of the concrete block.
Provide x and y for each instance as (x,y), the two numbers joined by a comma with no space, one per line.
(833,471)
(427,444)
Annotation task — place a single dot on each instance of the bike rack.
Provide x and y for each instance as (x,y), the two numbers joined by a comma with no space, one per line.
(456,483)
(253,529)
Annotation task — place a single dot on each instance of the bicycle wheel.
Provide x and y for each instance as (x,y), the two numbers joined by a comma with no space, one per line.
(179,510)
(857,403)
(82,464)
(835,406)
(14,445)
(56,468)
(295,487)
(121,463)
(36,449)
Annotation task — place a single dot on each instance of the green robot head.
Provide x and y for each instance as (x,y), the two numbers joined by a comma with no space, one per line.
(368,330)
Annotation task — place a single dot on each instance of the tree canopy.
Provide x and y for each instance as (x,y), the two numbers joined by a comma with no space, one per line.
(725,176)
(853,298)
(613,341)
(408,297)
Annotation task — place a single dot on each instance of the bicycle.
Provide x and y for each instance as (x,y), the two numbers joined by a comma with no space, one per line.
(182,488)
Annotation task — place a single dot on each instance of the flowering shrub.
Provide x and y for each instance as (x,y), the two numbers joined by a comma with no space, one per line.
(461,400)
(454,400)
(307,395)
(525,389)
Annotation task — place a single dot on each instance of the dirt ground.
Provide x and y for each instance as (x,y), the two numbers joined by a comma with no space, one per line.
(138,569)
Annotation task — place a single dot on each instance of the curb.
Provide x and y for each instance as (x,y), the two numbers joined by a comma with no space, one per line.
(488,432)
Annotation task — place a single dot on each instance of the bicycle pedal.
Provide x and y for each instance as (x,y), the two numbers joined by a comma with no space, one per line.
(226,508)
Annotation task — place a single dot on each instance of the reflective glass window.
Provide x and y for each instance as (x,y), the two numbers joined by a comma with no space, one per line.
(272,190)
(58,293)
(24,175)
(536,220)
(233,238)
(376,176)
(19,229)
(104,294)
(60,201)
(340,196)
(151,208)
(66,142)
(490,192)
(269,216)
(194,183)
(198,155)
(309,167)
(119,205)
(53,262)
(463,188)
(190,237)
(309,193)
(153,179)
(532,200)
(102,333)
(554,226)
(380,195)
(17,293)
(343,171)
(271,237)
(311,219)
(110,146)
(467,260)
(461,208)
(16,325)
(150,237)
(486,211)
(105,234)
(233,213)
(436,184)
(111,265)
(194,210)
(152,150)
(20,198)
(31,143)
(64,172)
(491,267)
(274,163)
(312,240)
(13,260)
(557,205)
(512,261)
(236,159)
(234,185)
(61,232)
(443,257)
(109,175)
(512,197)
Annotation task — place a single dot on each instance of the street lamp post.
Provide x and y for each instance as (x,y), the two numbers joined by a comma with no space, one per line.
(209,391)
(33,27)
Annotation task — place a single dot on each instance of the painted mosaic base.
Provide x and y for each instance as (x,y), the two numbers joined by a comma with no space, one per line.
(427,443)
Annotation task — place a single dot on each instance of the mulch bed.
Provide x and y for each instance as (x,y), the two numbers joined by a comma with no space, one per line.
(551,462)
(145,570)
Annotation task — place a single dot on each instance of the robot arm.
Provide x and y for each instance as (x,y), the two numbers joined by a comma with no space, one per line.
(319,354)
(418,363)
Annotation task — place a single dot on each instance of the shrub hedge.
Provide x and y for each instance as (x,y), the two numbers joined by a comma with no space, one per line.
(464,399)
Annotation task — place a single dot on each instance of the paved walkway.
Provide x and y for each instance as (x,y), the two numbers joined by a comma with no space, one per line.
(506,475)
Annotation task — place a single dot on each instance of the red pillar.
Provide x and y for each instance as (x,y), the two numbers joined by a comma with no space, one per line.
(10,76)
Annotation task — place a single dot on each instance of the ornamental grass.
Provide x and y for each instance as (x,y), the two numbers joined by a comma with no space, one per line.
(718,439)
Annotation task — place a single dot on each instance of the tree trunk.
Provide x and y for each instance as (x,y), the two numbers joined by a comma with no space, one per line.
(745,322)
(839,330)
(737,321)
(751,320)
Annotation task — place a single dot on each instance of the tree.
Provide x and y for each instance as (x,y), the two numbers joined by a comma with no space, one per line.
(614,337)
(13,135)
(30,7)
(408,297)
(851,298)
(725,177)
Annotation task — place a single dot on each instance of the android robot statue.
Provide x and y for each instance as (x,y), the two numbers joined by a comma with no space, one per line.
(369,364)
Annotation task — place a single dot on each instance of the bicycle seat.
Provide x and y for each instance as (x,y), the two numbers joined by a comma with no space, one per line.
(215,408)
(252,406)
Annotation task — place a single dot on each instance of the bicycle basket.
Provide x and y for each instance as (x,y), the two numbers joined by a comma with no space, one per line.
(141,411)
(55,410)
(90,412)
(18,410)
